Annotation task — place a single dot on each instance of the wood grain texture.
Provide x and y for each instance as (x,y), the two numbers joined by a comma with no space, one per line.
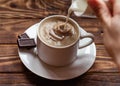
(32,8)
(11,28)
(18,15)
(108,79)
(10,61)
(12,50)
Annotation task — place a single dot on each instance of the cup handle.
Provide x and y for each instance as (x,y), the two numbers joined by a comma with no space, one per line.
(88,35)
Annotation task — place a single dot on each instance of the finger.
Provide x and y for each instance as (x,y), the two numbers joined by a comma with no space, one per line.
(116,6)
(94,5)
(110,6)
(101,10)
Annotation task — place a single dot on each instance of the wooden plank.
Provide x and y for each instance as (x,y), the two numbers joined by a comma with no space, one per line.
(10,61)
(28,79)
(8,50)
(11,64)
(10,28)
(104,65)
(87,22)
(12,50)
(32,8)
(99,79)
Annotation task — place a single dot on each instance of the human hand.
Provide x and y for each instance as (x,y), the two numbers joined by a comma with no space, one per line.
(109,14)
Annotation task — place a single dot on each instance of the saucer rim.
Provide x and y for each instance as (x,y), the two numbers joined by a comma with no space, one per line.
(21,58)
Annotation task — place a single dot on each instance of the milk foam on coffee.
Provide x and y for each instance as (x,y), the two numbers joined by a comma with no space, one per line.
(54,32)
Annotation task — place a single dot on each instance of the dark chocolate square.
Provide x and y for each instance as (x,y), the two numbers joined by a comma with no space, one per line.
(26,43)
(24,35)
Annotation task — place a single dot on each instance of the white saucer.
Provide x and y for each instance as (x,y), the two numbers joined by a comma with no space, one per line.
(85,59)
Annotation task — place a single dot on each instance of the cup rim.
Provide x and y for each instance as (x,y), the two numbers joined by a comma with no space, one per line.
(55,16)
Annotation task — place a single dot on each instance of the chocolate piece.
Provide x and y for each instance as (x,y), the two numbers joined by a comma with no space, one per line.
(24,35)
(26,43)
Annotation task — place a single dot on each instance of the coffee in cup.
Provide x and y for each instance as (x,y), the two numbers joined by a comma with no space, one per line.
(55,33)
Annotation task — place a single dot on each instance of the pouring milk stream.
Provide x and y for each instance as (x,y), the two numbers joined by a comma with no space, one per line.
(78,7)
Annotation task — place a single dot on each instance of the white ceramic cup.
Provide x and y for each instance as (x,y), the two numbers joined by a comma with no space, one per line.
(60,56)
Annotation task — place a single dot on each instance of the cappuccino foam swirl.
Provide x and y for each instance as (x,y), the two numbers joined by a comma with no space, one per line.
(60,31)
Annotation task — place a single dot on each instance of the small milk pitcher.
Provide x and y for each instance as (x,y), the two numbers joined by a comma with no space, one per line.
(78,7)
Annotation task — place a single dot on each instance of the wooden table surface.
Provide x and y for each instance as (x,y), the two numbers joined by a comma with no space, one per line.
(17,15)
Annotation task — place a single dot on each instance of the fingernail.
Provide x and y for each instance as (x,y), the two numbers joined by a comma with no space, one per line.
(93,4)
